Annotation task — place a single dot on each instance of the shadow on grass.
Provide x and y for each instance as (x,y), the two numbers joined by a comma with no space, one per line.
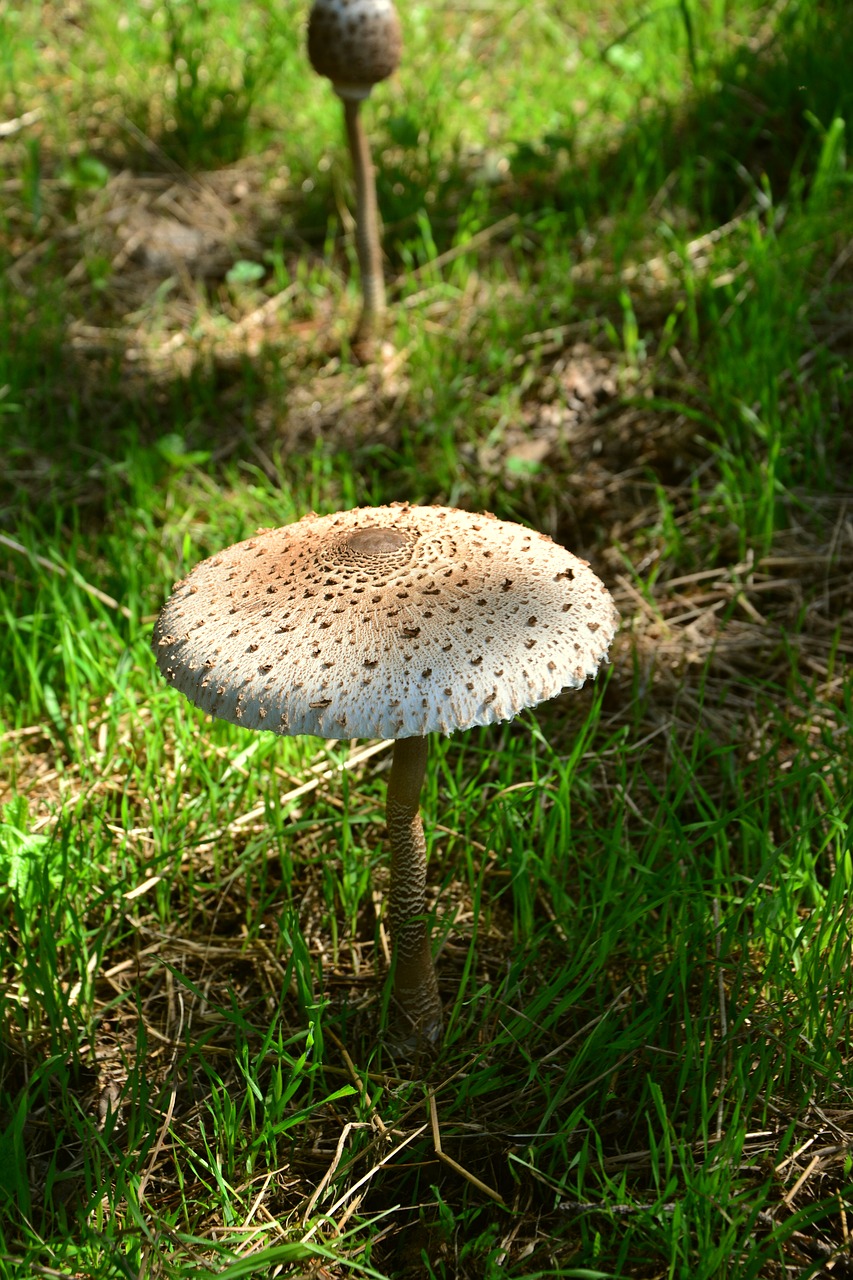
(72,419)
(757,128)
(71,414)
(753,125)
(759,124)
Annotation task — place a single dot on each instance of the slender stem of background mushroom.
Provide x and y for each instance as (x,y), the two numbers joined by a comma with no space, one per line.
(367,226)
(415,985)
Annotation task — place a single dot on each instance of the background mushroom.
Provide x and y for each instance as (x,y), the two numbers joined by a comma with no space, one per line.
(357,43)
(393,622)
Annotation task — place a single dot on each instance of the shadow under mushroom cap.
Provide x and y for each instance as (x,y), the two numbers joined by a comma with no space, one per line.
(384,622)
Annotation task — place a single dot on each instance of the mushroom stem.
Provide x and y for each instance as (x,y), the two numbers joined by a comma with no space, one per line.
(366,227)
(415,984)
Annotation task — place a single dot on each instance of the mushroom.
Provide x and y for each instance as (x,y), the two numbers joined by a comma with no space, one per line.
(357,43)
(394,622)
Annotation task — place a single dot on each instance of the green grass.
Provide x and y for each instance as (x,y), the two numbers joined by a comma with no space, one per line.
(619,287)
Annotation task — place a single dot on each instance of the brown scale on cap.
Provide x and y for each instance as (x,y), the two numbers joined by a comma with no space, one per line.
(377,613)
(356,43)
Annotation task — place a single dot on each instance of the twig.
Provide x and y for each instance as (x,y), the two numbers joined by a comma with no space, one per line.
(692,249)
(580,1207)
(799,1151)
(167,1119)
(724,1026)
(177,171)
(10,127)
(476,241)
(587,1027)
(365,1178)
(788,1197)
(453,1164)
(256,1203)
(330,1172)
(359,1084)
(358,757)
(843,1215)
(65,573)
(262,313)
(239,329)
(139,889)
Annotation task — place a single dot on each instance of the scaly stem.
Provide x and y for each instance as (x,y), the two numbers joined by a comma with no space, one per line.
(366,227)
(415,985)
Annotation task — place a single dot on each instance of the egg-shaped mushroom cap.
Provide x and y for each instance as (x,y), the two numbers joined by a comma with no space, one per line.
(384,622)
(356,43)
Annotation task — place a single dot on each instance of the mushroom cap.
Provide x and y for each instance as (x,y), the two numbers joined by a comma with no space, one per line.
(384,622)
(355,43)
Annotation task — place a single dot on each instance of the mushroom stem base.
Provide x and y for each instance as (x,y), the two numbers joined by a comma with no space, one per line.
(415,984)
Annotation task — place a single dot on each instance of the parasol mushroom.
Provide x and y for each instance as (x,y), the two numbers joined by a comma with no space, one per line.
(357,43)
(397,622)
